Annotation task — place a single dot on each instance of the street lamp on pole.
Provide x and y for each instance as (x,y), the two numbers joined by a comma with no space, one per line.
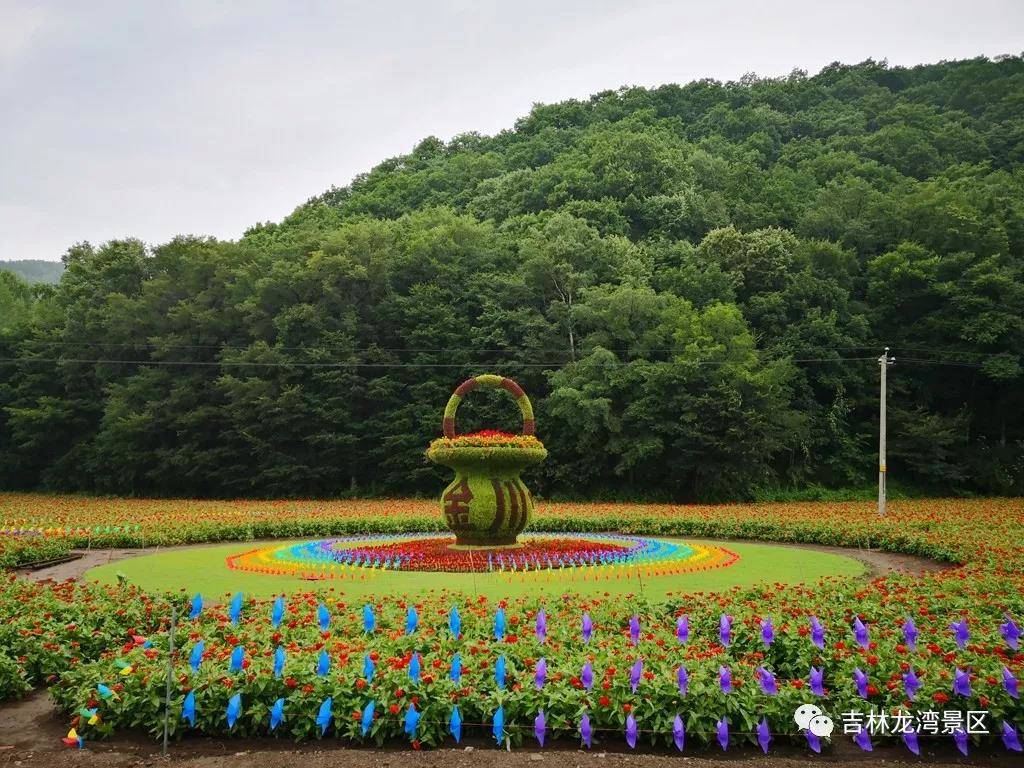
(883,363)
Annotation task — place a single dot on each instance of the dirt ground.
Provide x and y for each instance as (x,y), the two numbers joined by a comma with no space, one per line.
(30,733)
(31,729)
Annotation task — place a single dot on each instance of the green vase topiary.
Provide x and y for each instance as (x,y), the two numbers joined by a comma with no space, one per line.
(487,502)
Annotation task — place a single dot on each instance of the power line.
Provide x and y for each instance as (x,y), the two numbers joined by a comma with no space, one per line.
(957,363)
(297,364)
(463,349)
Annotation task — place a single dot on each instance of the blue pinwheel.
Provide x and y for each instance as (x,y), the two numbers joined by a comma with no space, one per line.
(323,716)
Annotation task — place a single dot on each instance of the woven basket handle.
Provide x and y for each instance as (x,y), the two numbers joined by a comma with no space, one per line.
(488,381)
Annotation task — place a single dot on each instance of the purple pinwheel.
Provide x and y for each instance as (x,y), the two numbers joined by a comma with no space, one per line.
(725,679)
(683,628)
(635,673)
(1010,738)
(540,727)
(541,627)
(961,683)
(1010,683)
(678,733)
(860,633)
(863,740)
(813,741)
(634,629)
(588,628)
(723,733)
(817,681)
(631,731)
(767,632)
(725,629)
(683,679)
(960,632)
(862,682)
(587,676)
(910,739)
(540,673)
(911,684)
(586,732)
(817,633)
(764,736)
(767,681)
(1010,632)
(910,633)
(960,739)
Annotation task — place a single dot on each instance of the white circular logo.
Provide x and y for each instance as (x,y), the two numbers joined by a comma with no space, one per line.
(822,726)
(804,714)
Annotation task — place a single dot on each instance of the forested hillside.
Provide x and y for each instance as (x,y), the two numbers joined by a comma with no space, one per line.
(34,270)
(692,282)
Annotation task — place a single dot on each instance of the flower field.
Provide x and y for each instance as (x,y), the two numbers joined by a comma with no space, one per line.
(942,528)
(727,668)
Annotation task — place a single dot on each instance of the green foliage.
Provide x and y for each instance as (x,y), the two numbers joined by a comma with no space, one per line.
(691,281)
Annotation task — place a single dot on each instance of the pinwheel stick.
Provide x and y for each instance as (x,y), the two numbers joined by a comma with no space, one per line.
(170,674)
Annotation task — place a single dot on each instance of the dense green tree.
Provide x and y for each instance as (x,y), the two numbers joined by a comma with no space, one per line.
(693,282)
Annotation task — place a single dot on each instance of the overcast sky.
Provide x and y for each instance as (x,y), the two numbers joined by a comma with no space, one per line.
(152,119)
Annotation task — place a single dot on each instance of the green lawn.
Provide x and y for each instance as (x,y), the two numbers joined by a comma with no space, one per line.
(203,569)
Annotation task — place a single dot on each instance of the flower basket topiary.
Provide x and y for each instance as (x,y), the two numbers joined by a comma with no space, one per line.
(487,502)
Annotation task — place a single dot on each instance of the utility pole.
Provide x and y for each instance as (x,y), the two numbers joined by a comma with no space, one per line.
(883,363)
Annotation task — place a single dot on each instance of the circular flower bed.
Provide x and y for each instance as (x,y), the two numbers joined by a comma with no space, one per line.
(330,558)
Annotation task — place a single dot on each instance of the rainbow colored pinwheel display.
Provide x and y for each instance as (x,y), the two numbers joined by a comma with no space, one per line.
(537,554)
